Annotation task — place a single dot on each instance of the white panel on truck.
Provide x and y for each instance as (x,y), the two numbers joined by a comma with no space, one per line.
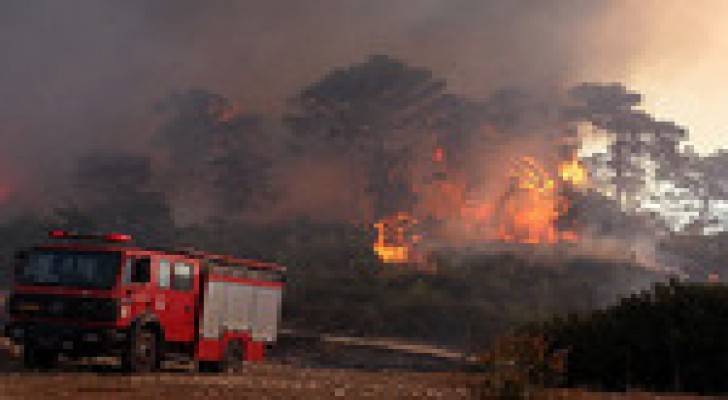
(239,307)
(267,309)
(214,309)
(237,312)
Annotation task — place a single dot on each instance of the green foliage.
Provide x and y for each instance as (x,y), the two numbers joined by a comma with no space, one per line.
(468,302)
(671,338)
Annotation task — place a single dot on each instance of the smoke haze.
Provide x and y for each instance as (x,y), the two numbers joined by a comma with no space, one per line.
(248,127)
(86,74)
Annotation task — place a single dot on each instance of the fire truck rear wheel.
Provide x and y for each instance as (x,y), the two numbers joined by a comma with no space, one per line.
(143,352)
(233,361)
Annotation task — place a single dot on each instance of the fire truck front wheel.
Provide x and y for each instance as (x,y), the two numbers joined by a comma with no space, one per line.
(142,354)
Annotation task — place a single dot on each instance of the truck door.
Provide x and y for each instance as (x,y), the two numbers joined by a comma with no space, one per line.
(136,284)
(175,299)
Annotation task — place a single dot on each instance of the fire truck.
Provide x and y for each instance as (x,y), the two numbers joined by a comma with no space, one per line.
(97,295)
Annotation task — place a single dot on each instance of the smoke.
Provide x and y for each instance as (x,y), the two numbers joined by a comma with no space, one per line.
(295,118)
(85,75)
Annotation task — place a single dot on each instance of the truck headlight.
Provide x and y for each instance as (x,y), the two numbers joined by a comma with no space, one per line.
(91,337)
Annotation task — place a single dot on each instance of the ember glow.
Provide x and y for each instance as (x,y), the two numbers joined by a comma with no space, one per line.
(225,113)
(396,239)
(438,155)
(4,193)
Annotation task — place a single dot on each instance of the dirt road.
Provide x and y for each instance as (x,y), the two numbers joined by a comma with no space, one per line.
(273,382)
(293,373)
(262,381)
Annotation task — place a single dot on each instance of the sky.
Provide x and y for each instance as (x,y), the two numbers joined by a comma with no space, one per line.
(681,68)
(85,74)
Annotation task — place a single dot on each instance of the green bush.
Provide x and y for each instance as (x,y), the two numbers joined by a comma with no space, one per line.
(670,338)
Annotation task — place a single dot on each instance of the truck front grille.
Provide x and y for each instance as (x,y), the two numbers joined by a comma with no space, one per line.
(67,307)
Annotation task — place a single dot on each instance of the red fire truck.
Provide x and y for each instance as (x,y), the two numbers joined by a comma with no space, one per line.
(90,295)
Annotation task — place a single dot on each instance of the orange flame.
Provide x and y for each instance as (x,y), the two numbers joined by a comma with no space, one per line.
(527,211)
(438,155)
(531,176)
(4,193)
(395,239)
(226,113)
(573,171)
(531,208)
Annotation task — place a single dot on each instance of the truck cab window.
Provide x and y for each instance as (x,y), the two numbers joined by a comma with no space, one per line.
(182,277)
(140,270)
(164,273)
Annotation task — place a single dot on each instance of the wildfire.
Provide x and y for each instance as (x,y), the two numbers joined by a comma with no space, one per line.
(573,171)
(530,176)
(438,155)
(395,238)
(4,193)
(226,113)
(529,210)
(526,211)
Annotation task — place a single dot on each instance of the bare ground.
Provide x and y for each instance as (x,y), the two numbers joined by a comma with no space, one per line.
(269,380)
(262,381)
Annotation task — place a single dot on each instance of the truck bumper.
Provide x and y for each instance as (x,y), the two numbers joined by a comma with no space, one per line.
(67,339)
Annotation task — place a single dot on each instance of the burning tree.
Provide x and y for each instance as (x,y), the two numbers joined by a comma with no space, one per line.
(422,150)
(383,114)
(529,210)
(392,121)
(216,150)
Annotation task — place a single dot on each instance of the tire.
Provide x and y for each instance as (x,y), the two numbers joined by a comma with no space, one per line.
(208,367)
(142,354)
(34,358)
(231,363)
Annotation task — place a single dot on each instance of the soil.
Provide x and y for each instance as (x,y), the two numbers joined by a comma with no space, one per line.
(275,379)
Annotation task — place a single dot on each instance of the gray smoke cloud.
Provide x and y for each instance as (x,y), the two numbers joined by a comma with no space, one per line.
(84,75)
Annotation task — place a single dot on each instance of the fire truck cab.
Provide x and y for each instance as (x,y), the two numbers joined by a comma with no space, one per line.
(90,295)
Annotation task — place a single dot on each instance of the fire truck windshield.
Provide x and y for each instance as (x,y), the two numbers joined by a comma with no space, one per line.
(70,268)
